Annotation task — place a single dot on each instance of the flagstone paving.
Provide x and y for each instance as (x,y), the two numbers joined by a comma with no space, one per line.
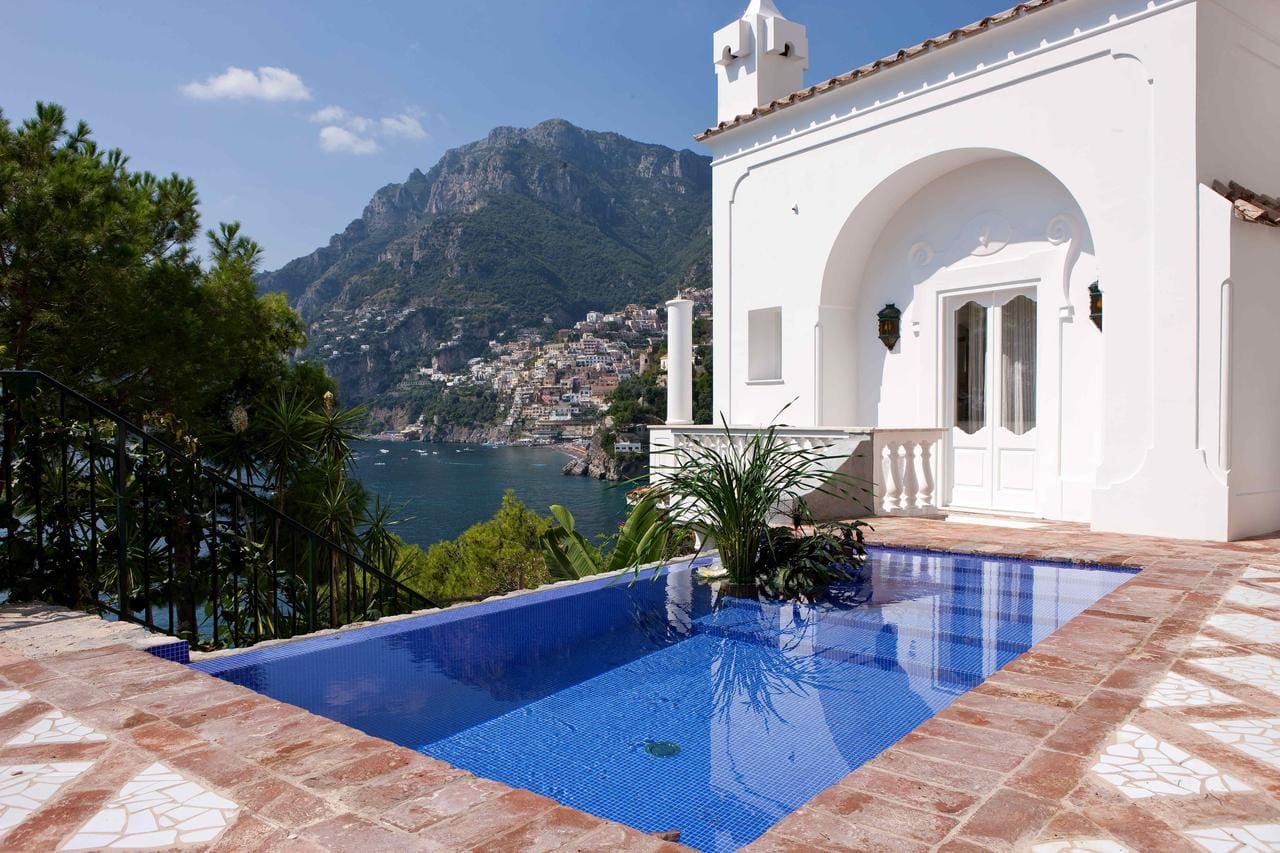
(1177,690)
(113,748)
(1151,722)
(157,808)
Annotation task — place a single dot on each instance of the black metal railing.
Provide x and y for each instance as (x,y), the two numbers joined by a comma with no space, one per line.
(97,513)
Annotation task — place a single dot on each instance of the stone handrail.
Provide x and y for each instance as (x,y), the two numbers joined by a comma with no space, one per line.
(716,437)
(905,470)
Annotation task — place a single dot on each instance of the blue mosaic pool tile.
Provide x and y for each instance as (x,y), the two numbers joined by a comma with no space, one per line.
(664,705)
(179,651)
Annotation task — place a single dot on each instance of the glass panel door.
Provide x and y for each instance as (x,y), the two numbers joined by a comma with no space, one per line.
(992,384)
(971,355)
(1018,365)
(971,367)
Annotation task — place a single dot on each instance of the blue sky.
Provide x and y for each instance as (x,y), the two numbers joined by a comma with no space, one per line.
(408,80)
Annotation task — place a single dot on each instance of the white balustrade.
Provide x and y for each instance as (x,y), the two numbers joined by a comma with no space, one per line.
(905,470)
(717,439)
(907,464)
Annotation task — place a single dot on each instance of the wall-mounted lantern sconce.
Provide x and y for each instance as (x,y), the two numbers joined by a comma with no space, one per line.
(1095,305)
(890,317)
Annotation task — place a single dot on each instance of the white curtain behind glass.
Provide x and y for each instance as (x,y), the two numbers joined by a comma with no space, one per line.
(1018,364)
(971,367)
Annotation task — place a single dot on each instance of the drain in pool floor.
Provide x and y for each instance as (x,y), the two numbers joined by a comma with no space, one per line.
(662,748)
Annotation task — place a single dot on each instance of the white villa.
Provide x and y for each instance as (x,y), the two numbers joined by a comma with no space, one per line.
(1029,264)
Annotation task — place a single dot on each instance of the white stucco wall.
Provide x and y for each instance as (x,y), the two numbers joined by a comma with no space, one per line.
(1090,109)
(1239,130)
(1002,221)
(1254,451)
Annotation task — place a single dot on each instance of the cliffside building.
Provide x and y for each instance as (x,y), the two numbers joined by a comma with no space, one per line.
(1028,267)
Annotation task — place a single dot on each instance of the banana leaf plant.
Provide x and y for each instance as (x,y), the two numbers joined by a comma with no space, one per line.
(644,538)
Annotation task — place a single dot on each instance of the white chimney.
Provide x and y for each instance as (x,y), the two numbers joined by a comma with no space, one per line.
(759,58)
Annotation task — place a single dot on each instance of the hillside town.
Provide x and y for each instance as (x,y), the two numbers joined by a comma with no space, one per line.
(549,386)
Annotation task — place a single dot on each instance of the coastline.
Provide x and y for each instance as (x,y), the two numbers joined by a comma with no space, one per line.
(444,489)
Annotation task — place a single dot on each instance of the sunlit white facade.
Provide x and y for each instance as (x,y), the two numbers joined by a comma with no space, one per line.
(981,187)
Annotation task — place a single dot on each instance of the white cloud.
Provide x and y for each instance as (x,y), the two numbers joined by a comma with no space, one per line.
(329,115)
(265,84)
(354,134)
(340,140)
(405,126)
(361,125)
(339,116)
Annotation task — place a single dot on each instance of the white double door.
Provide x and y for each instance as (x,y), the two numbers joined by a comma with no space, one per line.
(991,385)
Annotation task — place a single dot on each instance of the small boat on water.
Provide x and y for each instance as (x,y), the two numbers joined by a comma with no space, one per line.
(381,450)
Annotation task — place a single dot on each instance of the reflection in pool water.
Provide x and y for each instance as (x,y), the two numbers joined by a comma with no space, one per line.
(755,706)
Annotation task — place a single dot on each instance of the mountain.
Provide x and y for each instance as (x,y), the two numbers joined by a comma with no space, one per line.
(545,222)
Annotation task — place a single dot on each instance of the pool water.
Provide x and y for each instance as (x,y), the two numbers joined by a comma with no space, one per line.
(663,706)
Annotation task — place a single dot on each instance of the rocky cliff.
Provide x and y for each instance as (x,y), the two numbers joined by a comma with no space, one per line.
(525,228)
(600,464)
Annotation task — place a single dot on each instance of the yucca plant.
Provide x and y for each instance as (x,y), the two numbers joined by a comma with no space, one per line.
(732,491)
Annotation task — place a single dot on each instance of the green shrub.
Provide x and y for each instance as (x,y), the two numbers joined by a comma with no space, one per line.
(493,557)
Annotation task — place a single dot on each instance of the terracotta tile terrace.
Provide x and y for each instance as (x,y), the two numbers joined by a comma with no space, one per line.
(1149,722)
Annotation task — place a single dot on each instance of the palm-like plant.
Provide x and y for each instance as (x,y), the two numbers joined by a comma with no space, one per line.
(335,429)
(732,491)
(287,442)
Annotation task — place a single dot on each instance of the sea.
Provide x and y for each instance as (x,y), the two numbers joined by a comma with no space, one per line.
(442,489)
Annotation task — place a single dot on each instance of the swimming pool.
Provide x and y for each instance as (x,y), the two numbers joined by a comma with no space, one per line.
(660,706)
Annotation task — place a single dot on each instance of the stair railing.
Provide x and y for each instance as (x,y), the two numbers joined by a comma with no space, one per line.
(99,514)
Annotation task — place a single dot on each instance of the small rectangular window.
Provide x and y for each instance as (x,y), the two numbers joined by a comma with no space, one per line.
(764,345)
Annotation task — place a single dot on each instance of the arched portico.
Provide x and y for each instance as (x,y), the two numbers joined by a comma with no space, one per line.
(990,259)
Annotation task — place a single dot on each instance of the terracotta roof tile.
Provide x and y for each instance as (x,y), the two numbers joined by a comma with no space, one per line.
(1250,206)
(870,68)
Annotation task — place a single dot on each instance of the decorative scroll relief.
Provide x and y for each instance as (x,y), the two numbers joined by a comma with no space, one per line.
(1062,228)
(985,235)
(920,255)
(1065,229)
(920,259)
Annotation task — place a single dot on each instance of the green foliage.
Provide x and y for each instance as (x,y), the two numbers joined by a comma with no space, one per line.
(644,538)
(104,515)
(702,387)
(801,561)
(608,440)
(732,491)
(639,400)
(493,557)
(100,285)
(465,405)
